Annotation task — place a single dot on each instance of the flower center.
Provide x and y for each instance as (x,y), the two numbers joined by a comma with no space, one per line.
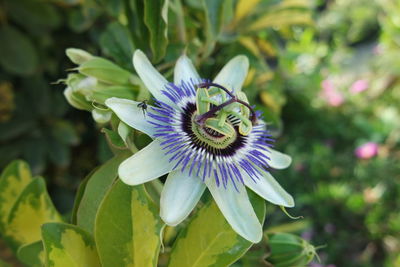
(211,137)
(216,104)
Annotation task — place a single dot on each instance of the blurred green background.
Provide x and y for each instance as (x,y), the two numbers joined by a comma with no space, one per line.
(324,73)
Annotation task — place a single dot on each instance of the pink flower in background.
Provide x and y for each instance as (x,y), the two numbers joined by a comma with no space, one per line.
(331,94)
(359,86)
(367,150)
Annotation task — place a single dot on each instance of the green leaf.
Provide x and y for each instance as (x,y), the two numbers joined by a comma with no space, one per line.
(16,127)
(15,177)
(113,7)
(209,240)
(32,254)
(67,245)
(79,196)
(136,25)
(39,94)
(4,264)
(64,132)
(34,153)
(116,43)
(10,151)
(128,228)
(215,13)
(96,188)
(281,19)
(17,52)
(114,139)
(83,18)
(156,19)
(34,16)
(214,10)
(32,209)
(58,153)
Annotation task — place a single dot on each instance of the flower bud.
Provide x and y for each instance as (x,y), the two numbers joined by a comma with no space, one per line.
(101,116)
(287,250)
(78,87)
(105,71)
(95,91)
(78,56)
(76,100)
(85,86)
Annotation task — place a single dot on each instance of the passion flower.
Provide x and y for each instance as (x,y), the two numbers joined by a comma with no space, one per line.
(206,135)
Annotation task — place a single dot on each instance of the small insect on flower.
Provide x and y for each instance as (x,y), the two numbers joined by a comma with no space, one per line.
(206,136)
(143,106)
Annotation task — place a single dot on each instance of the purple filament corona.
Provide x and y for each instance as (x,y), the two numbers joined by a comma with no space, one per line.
(243,156)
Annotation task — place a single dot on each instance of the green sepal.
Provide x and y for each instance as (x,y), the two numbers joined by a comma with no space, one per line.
(91,89)
(126,134)
(78,56)
(105,71)
(114,139)
(100,95)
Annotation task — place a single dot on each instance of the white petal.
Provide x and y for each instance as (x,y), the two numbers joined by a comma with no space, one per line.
(277,160)
(180,195)
(237,209)
(185,71)
(146,165)
(233,73)
(269,189)
(129,112)
(151,78)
